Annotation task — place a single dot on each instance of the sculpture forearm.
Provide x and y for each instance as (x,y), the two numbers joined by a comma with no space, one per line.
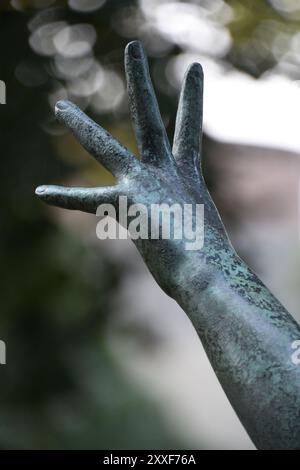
(248,340)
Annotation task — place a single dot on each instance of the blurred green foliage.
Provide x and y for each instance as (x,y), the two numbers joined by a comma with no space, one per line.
(262,35)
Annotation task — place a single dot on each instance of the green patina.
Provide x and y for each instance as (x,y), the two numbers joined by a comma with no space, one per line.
(246,332)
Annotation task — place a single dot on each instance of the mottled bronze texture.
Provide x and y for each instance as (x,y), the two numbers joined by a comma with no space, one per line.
(246,332)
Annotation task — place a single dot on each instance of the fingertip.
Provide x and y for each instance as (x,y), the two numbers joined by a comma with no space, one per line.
(40,190)
(62,106)
(48,191)
(135,50)
(195,70)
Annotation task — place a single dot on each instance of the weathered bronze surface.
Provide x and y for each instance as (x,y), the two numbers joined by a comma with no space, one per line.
(246,332)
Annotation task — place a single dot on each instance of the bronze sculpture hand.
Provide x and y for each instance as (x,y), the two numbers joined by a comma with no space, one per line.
(247,333)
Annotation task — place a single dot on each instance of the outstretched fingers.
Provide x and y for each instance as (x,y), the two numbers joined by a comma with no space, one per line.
(150,131)
(98,142)
(82,199)
(188,129)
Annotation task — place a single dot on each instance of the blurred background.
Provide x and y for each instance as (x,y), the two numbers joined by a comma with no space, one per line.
(97,355)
